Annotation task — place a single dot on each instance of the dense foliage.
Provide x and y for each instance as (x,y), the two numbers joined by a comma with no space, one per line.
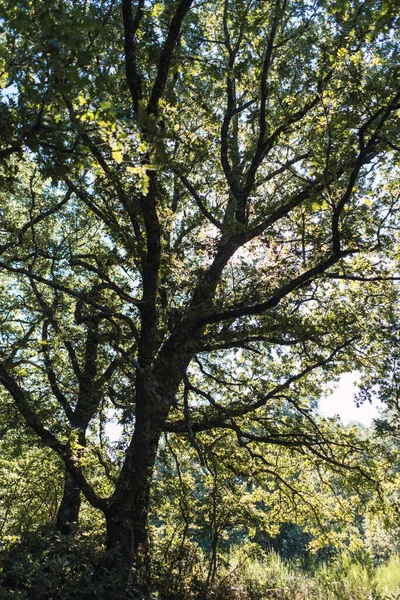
(198,232)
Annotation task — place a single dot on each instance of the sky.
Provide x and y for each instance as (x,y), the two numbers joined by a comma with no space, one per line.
(341,402)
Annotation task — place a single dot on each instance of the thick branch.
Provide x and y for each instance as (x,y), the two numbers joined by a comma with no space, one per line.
(223,420)
(167,54)
(298,282)
(104,311)
(51,376)
(35,220)
(131,25)
(198,199)
(49,439)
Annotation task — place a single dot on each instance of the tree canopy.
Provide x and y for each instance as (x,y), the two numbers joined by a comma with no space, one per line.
(199,217)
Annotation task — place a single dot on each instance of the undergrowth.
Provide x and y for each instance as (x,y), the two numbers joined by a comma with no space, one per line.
(68,569)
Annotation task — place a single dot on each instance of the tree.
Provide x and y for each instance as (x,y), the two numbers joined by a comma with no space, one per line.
(198,205)
(30,484)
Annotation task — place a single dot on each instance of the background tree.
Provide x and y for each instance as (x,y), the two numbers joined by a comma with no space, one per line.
(204,510)
(30,479)
(188,188)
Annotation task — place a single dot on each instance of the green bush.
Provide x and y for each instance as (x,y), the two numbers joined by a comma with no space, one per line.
(43,566)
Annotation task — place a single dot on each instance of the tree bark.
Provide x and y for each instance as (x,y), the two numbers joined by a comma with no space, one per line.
(127,556)
(127,528)
(127,515)
(128,510)
(68,512)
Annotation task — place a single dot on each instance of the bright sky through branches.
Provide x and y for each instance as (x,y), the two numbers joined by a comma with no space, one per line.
(341,402)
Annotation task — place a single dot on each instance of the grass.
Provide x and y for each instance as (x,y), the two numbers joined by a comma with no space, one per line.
(387,577)
(271,578)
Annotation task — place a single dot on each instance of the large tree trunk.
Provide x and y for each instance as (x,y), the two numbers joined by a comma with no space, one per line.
(127,545)
(127,514)
(127,528)
(68,512)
